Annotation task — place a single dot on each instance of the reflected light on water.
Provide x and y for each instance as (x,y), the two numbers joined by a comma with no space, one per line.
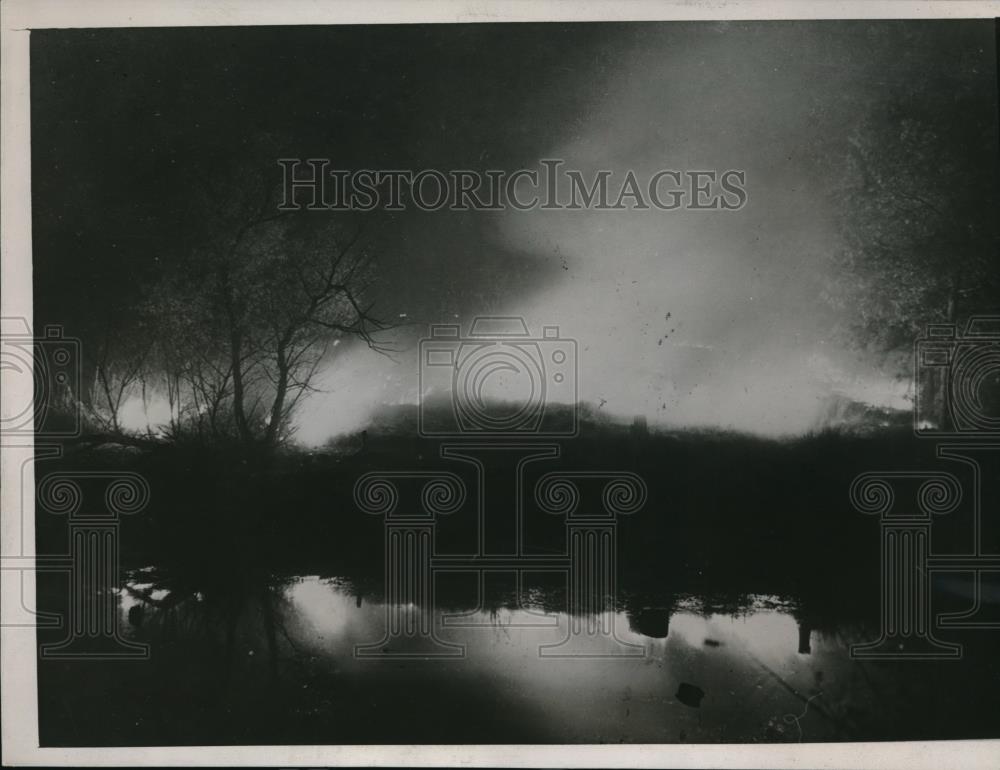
(326,615)
(770,635)
(727,656)
(755,674)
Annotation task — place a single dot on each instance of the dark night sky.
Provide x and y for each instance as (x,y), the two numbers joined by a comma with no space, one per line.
(124,122)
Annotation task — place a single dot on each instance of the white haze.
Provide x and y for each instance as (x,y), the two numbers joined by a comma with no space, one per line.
(684,317)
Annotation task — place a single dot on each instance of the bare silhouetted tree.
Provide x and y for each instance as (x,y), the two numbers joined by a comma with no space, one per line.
(247,319)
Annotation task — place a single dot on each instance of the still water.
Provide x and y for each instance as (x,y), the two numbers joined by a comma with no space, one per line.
(306,660)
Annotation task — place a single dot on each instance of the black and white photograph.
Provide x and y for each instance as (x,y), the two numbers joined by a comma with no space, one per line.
(483,379)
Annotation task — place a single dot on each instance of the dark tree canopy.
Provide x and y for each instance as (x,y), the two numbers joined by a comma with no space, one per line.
(917,203)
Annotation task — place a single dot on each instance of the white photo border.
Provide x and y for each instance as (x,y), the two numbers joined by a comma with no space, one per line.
(18,650)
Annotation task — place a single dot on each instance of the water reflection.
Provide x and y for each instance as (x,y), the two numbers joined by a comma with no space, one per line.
(249,656)
(760,671)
